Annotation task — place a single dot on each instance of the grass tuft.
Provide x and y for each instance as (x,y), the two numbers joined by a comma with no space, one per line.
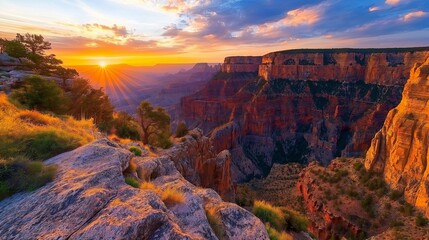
(172,197)
(132,182)
(269,214)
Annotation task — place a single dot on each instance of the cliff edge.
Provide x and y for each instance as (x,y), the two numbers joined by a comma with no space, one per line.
(89,199)
(400,149)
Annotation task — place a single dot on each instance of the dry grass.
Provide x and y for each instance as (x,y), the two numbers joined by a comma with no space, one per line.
(216,223)
(172,197)
(39,136)
(269,214)
(148,186)
(276,235)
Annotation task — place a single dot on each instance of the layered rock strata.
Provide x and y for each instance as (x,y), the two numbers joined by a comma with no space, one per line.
(327,114)
(400,149)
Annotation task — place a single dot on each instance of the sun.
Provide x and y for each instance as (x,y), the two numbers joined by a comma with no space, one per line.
(102,64)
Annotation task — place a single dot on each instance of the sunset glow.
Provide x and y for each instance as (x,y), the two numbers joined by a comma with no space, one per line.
(151,32)
(102,64)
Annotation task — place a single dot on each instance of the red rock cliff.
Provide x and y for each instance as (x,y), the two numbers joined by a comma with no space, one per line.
(385,66)
(400,149)
(289,120)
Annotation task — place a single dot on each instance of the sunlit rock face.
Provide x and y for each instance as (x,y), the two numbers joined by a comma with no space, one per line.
(89,199)
(299,106)
(400,149)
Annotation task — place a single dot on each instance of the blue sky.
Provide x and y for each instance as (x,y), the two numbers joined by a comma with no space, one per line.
(144,32)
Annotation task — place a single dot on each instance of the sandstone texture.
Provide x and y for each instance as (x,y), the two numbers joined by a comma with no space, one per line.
(376,66)
(89,199)
(196,159)
(241,64)
(342,201)
(400,149)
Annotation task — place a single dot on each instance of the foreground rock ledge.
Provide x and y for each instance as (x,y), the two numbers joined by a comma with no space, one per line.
(89,199)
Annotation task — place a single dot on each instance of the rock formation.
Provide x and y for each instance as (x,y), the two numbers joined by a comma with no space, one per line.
(196,159)
(376,66)
(89,199)
(400,149)
(299,105)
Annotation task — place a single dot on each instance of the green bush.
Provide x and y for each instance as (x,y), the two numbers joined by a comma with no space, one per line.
(21,174)
(164,142)
(181,130)
(41,94)
(136,151)
(44,145)
(421,221)
(295,221)
(269,214)
(132,182)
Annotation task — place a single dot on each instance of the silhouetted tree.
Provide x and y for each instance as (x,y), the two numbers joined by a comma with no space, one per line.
(87,102)
(155,123)
(34,43)
(66,73)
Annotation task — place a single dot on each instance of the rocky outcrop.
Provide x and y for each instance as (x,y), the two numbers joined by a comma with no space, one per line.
(400,149)
(300,119)
(89,199)
(375,66)
(241,64)
(196,159)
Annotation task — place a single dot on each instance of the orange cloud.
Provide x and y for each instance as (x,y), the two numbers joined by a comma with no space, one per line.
(302,16)
(413,15)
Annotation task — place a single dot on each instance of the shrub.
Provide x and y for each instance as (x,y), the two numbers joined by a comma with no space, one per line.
(163,142)
(273,234)
(41,94)
(22,174)
(132,182)
(357,166)
(215,223)
(269,214)
(407,209)
(395,195)
(136,151)
(295,221)
(148,186)
(421,221)
(181,130)
(46,144)
(396,223)
(245,196)
(172,197)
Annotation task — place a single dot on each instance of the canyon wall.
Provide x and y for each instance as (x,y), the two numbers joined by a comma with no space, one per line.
(241,64)
(315,107)
(400,149)
(382,66)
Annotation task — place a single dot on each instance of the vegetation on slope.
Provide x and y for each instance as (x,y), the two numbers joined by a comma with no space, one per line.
(29,137)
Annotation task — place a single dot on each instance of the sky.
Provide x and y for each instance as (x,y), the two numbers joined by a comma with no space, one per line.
(148,32)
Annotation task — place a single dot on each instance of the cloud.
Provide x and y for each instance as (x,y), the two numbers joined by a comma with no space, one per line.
(412,15)
(120,31)
(302,16)
(393,2)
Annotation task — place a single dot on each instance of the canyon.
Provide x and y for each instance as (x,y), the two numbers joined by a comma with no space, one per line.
(299,105)
(399,151)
